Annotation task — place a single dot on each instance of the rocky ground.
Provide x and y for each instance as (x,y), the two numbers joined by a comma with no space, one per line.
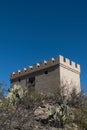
(32,111)
(23,118)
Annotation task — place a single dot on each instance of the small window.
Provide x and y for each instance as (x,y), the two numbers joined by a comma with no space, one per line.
(46,72)
(31,81)
(19,80)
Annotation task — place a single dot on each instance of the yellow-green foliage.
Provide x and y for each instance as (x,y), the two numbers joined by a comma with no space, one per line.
(15,90)
(58,114)
(81,117)
(1,102)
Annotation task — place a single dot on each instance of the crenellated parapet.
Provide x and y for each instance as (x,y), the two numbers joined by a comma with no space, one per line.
(68,64)
(58,60)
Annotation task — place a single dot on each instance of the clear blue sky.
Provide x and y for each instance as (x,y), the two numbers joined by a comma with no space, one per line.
(34,30)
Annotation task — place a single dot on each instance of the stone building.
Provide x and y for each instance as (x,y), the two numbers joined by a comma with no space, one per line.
(45,76)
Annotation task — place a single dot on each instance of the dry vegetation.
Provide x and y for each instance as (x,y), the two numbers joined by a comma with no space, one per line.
(27,110)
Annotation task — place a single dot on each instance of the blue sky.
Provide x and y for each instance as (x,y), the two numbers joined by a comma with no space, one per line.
(31,31)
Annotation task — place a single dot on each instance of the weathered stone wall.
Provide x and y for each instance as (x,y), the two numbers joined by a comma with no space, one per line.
(69,74)
(48,82)
(48,74)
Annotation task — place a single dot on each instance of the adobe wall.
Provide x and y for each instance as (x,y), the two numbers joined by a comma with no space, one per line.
(59,70)
(46,80)
(43,82)
(69,74)
(46,83)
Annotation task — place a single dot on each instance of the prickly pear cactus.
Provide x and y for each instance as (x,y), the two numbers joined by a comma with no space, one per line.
(52,110)
(16,92)
(58,114)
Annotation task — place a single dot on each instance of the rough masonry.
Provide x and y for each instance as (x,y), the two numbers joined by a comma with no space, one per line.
(45,76)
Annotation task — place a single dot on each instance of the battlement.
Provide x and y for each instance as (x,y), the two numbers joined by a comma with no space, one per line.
(58,60)
(68,64)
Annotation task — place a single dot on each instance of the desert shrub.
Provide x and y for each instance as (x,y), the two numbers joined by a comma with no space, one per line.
(19,105)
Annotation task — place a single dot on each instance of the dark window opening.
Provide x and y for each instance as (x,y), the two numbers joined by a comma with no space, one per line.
(19,80)
(46,72)
(31,82)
